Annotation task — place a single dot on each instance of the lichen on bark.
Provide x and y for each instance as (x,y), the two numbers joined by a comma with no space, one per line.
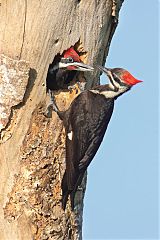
(14,75)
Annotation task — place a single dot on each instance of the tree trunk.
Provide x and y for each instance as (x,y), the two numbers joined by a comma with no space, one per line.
(32,149)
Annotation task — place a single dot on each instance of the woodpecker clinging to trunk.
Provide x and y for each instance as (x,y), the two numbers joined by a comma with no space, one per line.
(85,123)
(64,69)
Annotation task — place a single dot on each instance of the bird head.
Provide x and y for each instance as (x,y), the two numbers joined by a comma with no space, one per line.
(119,77)
(71,61)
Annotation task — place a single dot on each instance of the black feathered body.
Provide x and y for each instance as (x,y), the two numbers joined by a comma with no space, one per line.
(85,122)
(59,78)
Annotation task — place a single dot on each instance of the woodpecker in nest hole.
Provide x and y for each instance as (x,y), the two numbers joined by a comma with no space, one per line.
(63,71)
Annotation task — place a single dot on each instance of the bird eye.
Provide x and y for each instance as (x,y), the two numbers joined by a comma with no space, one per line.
(70,59)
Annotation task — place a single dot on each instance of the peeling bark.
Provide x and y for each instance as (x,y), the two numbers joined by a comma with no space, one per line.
(32,147)
(13,83)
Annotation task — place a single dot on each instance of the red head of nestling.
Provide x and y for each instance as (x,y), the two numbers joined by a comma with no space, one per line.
(71,61)
(71,53)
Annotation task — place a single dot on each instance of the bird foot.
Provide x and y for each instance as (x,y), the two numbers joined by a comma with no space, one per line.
(81,86)
(78,86)
(48,111)
(71,88)
(51,106)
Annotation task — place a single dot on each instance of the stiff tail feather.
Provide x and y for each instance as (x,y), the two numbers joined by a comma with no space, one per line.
(66,192)
(72,195)
(64,200)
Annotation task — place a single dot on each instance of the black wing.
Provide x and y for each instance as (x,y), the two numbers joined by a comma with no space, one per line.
(89,117)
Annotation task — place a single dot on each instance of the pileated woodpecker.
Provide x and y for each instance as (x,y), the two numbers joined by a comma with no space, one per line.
(63,70)
(86,122)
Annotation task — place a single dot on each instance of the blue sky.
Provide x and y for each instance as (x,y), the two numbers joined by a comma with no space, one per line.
(121,201)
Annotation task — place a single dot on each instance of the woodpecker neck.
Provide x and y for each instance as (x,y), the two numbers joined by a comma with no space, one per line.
(115,94)
(109,91)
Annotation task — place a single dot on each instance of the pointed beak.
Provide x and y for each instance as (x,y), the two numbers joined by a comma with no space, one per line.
(103,69)
(79,66)
(107,71)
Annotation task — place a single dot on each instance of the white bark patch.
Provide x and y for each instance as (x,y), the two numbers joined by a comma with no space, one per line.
(70,135)
(14,76)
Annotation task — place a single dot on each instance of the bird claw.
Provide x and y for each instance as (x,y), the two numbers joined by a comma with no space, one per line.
(51,106)
(54,107)
(71,88)
(48,111)
(79,86)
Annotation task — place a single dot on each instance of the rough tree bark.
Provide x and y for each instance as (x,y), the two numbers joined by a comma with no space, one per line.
(32,147)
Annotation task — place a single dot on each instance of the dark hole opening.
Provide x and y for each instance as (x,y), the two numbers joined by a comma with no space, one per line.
(59,78)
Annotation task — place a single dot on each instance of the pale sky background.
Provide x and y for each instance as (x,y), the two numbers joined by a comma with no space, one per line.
(121,201)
